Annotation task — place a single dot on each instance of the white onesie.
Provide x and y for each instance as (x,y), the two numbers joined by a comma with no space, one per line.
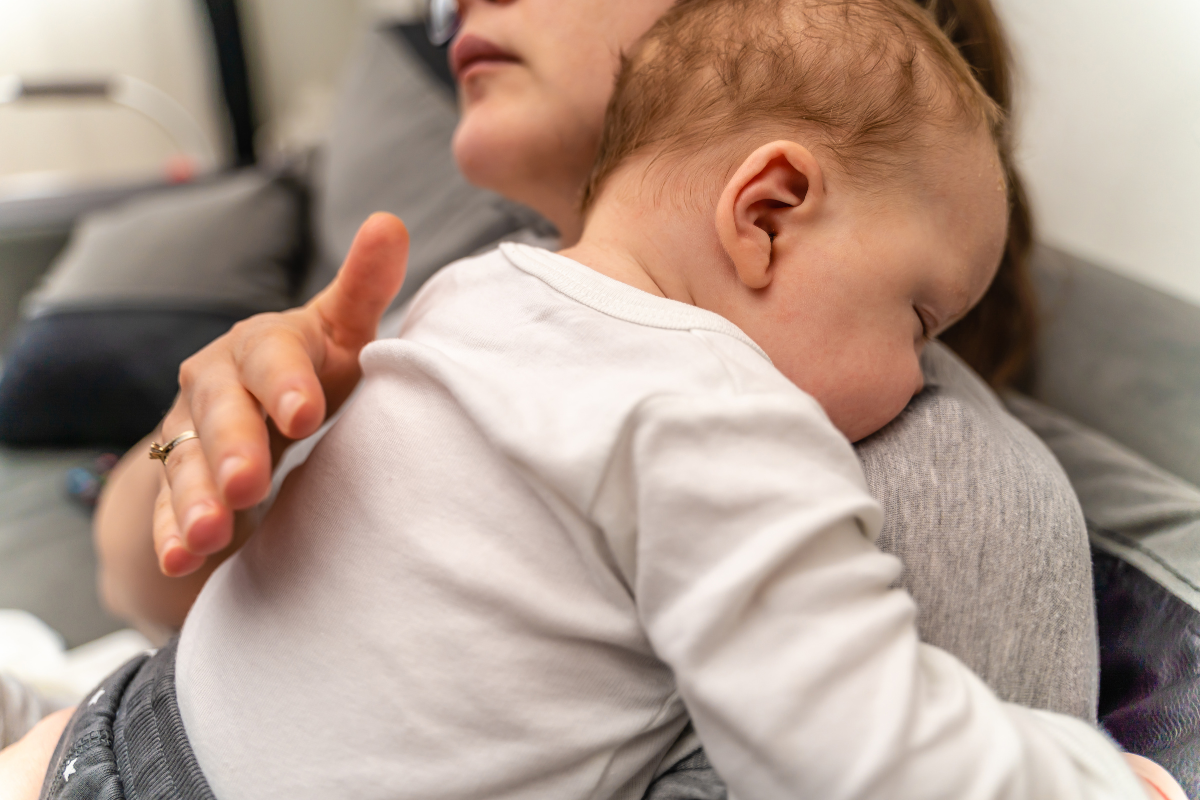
(560,511)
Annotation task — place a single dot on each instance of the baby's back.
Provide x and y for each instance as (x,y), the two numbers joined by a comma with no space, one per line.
(431,608)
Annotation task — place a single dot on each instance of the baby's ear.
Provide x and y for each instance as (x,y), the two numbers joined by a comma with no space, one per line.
(776,188)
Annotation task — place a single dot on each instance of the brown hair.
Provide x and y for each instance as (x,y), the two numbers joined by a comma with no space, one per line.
(710,69)
(868,78)
(997,337)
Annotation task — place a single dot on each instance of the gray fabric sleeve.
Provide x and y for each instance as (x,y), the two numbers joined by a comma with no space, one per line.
(992,538)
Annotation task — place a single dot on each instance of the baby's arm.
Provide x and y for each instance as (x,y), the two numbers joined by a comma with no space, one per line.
(23,765)
(800,665)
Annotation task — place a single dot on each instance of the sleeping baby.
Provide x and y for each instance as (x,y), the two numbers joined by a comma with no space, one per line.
(589,496)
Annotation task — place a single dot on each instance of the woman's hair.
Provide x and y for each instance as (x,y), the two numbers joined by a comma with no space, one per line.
(997,337)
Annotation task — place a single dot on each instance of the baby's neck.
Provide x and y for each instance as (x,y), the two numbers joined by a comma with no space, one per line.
(663,251)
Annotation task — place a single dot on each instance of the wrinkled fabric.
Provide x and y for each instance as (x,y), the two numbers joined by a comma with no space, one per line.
(992,537)
(127,742)
(1150,661)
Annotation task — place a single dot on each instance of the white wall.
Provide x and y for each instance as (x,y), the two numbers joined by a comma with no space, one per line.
(160,41)
(297,49)
(1110,131)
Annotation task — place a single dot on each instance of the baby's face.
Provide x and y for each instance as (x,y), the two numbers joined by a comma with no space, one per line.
(854,307)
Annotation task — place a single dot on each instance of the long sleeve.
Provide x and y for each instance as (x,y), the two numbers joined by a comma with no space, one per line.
(759,586)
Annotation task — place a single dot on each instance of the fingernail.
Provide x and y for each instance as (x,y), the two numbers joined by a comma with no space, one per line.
(177,561)
(230,467)
(204,540)
(289,406)
(194,514)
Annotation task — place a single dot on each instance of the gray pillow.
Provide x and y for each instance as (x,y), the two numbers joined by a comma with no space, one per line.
(1134,509)
(389,150)
(1122,358)
(230,243)
(140,287)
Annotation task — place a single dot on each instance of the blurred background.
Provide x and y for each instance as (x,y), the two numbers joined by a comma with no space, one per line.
(289,53)
(1110,105)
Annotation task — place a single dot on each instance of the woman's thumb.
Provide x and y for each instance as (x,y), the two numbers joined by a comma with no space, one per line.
(353,303)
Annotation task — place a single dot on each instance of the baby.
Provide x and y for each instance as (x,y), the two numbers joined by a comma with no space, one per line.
(587,495)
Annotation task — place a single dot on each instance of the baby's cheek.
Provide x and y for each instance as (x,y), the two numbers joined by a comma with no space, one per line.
(881,401)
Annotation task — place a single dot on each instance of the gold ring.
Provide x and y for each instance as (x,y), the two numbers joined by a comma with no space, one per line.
(161,451)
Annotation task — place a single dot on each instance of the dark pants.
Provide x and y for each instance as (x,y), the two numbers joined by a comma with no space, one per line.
(126,740)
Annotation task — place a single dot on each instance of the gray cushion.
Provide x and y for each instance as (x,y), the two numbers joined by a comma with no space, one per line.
(1134,509)
(1145,528)
(230,243)
(47,566)
(140,287)
(389,150)
(1122,358)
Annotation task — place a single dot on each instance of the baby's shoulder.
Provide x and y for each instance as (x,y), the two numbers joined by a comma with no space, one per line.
(524,309)
(553,362)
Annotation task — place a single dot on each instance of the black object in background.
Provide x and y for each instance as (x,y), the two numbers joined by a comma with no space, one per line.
(99,377)
(1149,668)
(235,78)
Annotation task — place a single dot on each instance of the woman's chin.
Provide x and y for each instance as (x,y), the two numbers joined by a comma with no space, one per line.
(477,155)
(495,145)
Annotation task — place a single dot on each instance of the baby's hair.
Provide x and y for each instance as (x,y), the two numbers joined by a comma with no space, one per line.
(868,80)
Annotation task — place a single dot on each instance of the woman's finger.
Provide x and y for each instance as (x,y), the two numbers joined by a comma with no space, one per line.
(174,559)
(287,364)
(352,305)
(204,523)
(275,357)
(234,447)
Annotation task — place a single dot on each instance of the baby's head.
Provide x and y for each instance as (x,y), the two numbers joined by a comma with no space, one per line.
(823,173)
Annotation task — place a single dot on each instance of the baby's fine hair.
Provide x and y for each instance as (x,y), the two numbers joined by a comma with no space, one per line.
(869,81)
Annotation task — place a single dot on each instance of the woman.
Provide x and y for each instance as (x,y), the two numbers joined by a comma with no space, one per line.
(532,109)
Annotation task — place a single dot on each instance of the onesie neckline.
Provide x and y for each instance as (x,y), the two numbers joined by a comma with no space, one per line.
(616,299)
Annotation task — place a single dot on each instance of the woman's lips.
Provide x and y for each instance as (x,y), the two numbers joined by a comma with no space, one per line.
(469,50)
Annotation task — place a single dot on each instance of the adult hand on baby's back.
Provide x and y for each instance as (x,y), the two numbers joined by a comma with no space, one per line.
(270,380)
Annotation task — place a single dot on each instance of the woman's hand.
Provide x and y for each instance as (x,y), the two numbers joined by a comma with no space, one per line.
(23,765)
(271,380)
